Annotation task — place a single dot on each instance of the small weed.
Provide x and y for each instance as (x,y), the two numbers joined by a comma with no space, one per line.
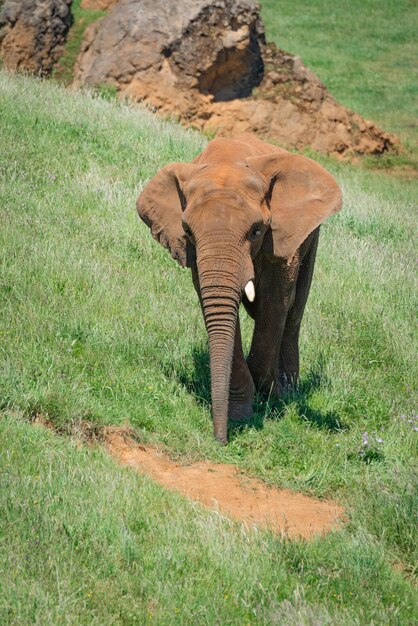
(106,91)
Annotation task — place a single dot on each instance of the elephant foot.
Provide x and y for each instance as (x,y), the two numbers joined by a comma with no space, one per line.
(241,394)
(265,380)
(239,410)
(268,387)
(240,406)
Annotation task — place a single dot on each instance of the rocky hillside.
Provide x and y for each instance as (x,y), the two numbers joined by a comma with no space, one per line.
(208,64)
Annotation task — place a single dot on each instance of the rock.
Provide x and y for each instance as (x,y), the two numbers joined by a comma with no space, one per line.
(32,33)
(203,53)
(207,63)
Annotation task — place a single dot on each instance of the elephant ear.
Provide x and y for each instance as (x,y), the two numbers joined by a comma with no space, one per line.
(302,194)
(161,204)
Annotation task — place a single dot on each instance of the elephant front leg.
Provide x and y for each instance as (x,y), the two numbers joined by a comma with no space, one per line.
(264,356)
(274,296)
(241,389)
(288,371)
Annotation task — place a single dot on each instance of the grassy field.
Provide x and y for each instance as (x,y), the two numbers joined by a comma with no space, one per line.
(363,50)
(88,333)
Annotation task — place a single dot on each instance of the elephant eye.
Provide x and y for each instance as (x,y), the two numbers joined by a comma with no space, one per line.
(256,232)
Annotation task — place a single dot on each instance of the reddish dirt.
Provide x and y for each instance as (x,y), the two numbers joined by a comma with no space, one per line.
(98,5)
(228,490)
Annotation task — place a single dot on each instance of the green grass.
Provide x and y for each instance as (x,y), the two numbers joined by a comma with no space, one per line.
(98,323)
(364,51)
(64,70)
(84,542)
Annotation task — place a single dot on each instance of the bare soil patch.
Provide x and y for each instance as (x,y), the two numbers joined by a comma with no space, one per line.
(217,486)
(227,489)
(98,5)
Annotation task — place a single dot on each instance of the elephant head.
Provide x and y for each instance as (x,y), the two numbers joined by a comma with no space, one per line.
(217,214)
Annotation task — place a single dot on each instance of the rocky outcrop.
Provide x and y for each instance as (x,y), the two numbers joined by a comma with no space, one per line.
(207,63)
(193,39)
(294,108)
(32,33)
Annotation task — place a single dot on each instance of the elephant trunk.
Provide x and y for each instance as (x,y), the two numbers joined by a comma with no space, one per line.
(220,289)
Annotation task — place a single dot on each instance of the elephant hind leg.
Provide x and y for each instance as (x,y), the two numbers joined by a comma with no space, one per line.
(289,349)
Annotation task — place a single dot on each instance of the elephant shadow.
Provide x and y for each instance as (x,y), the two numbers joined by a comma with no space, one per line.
(197,383)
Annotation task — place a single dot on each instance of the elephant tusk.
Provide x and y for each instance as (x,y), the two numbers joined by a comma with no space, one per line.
(250,291)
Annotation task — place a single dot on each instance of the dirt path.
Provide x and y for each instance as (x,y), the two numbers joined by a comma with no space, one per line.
(226,489)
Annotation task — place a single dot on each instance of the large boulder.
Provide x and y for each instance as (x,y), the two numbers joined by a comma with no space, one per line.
(32,33)
(192,39)
(207,63)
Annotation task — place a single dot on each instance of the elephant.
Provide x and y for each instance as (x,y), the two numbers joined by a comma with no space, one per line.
(244,216)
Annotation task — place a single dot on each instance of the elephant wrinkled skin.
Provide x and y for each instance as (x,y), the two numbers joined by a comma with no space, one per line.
(245,217)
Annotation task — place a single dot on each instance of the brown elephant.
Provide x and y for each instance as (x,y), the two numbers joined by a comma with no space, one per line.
(244,216)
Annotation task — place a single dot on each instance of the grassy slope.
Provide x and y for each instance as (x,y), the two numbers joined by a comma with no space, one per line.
(86,333)
(363,50)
